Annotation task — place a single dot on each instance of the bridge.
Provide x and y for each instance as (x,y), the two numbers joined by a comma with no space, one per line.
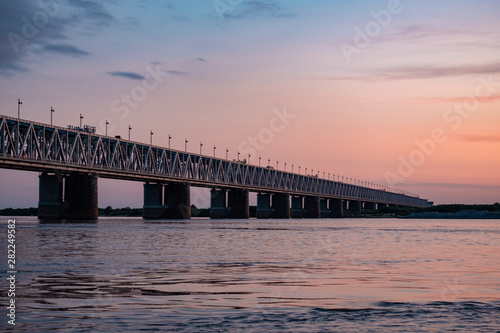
(70,161)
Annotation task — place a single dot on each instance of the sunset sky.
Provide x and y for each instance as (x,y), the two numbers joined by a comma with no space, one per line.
(405,93)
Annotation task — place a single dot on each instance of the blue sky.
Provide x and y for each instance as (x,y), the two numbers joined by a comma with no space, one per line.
(223,67)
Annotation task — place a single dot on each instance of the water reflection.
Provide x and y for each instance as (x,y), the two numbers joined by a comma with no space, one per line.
(132,274)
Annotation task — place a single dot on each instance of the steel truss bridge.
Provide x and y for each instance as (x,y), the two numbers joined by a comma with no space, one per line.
(33,146)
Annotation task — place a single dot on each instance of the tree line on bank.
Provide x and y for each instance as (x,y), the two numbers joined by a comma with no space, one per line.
(205,212)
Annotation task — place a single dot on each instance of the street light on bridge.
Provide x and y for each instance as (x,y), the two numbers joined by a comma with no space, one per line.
(129,129)
(81,117)
(227,152)
(201,145)
(169,138)
(259,160)
(214,150)
(19,108)
(51,112)
(107,123)
(186,145)
(151,138)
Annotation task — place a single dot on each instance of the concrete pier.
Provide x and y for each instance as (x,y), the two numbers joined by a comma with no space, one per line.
(324,210)
(337,208)
(355,206)
(312,207)
(153,207)
(281,206)
(369,206)
(81,197)
(178,201)
(297,210)
(238,201)
(50,197)
(264,210)
(218,204)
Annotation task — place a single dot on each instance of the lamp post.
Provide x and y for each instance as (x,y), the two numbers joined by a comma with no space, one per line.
(81,117)
(249,155)
(169,138)
(268,162)
(186,145)
(19,108)
(214,150)
(201,145)
(227,152)
(238,156)
(259,160)
(129,129)
(51,112)
(107,123)
(292,168)
(151,138)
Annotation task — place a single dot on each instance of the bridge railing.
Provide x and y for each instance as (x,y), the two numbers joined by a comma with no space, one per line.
(51,146)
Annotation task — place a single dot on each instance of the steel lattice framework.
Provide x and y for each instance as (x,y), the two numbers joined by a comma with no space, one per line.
(27,145)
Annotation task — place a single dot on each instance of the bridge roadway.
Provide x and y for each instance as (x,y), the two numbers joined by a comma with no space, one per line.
(72,159)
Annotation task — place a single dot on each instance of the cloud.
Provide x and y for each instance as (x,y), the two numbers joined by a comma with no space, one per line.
(456,186)
(495,138)
(65,50)
(28,26)
(257,8)
(127,75)
(201,59)
(421,72)
(175,72)
(459,99)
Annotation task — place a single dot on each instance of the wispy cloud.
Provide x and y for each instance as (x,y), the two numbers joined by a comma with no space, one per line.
(421,72)
(495,138)
(66,49)
(176,72)
(127,75)
(458,99)
(258,8)
(17,41)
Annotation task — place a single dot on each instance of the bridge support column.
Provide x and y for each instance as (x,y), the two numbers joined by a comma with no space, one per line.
(178,201)
(345,205)
(238,201)
(264,210)
(218,204)
(312,207)
(50,197)
(355,206)
(281,205)
(297,210)
(81,197)
(153,207)
(323,206)
(337,208)
(369,206)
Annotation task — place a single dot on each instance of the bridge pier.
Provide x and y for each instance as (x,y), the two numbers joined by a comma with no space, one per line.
(238,201)
(264,210)
(312,207)
(337,208)
(50,197)
(281,205)
(81,197)
(355,206)
(218,204)
(323,205)
(153,207)
(178,201)
(297,210)
(369,206)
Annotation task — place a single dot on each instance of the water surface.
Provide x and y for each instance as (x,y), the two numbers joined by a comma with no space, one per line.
(304,275)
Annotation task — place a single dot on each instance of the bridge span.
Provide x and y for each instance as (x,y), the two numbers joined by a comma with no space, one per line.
(70,161)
